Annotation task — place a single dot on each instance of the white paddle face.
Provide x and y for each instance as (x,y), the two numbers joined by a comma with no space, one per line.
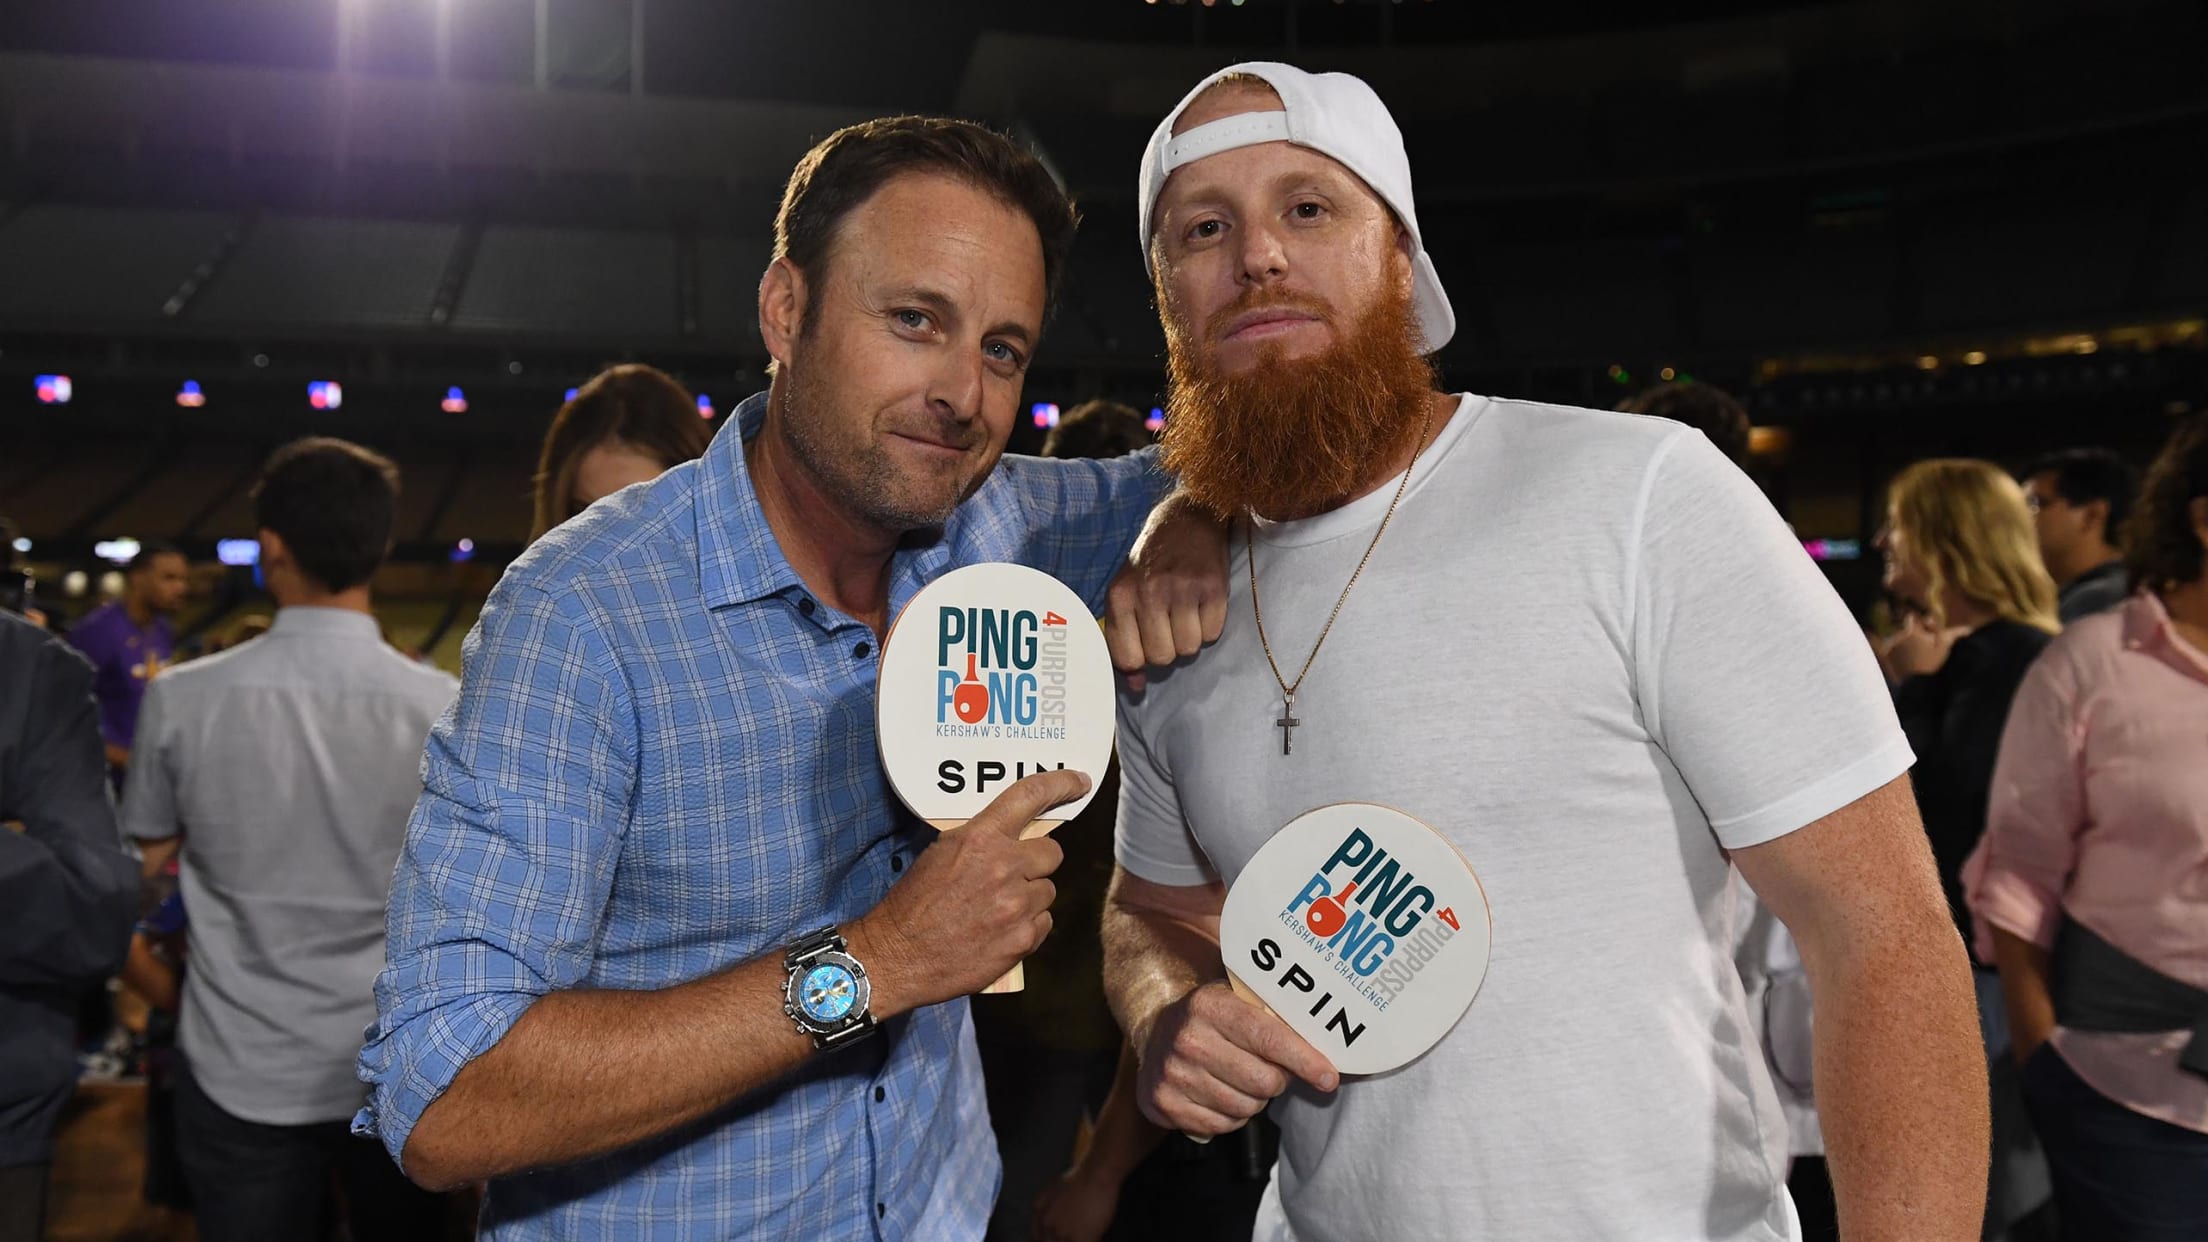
(1363,929)
(993,672)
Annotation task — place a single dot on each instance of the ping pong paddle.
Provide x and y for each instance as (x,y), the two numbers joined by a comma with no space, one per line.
(1363,929)
(991,673)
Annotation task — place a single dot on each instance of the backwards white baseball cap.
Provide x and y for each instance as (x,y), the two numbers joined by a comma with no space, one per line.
(1337,116)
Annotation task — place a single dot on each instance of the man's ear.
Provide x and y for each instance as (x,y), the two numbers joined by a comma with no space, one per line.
(2095,513)
(273,551)
(782,296)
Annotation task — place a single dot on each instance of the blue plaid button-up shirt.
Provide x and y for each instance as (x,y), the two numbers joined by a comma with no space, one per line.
(661,765)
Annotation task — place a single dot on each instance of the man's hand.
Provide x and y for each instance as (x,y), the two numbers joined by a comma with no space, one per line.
(974,905)
(1917,649)
(2026,992)
(1171,599)
(1212,1061)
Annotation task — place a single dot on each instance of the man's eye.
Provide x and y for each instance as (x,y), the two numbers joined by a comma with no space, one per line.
(1309,211)
(1205,230)
(912,318)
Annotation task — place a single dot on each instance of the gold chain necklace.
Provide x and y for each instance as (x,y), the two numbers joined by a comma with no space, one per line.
(1288,722)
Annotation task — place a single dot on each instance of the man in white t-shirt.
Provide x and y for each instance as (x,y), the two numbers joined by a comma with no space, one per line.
(1583,648)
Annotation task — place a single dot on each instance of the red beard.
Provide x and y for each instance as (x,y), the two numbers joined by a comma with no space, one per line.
(1288,437)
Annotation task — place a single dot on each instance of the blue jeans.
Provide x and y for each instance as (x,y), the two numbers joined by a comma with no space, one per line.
(2119,1176)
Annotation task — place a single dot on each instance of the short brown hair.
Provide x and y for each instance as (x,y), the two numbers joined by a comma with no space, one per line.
(1704,407)
(2160,547)
(1098,429)
(333,503)
(847,167)
(640,406)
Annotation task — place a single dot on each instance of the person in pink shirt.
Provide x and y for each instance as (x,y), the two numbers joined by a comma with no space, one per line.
(2090,887)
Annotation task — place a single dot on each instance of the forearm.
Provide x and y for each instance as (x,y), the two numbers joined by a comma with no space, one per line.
(584,1072)
(154,857)
(1151,960)
(1123,1136)
(154,980)
(2025,992)
(1901,1085)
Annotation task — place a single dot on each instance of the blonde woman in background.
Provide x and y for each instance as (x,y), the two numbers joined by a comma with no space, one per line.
(1963,566)
(629,424)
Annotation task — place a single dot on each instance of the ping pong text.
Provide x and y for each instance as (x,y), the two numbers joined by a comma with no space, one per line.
(1365,914)
(1001,673)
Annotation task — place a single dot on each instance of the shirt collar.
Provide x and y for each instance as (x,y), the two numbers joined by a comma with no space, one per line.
(738,558)
(325,623)
(2098,576)
(2146,621)
(2147,628)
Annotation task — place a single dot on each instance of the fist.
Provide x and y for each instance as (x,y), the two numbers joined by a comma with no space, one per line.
(1171,599)
(1213,1060)
(974,904)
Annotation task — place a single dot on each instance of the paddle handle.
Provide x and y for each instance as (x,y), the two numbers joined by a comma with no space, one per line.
(1015,979)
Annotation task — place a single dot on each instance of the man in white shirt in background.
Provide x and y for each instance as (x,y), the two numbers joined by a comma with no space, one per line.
(1583,648)
(285,770)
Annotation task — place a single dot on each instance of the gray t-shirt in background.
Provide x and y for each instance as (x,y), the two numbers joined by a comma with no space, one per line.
(290,765)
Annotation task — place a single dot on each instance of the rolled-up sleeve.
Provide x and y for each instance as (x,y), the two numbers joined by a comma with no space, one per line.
(1083,515)
(510,853)
(2014,880)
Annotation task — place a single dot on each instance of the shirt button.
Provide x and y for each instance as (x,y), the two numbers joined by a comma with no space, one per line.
(880,1095)
(896,862)
(805,605)
(862,651)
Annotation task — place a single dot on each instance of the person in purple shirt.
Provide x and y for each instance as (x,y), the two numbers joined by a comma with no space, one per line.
(130,640)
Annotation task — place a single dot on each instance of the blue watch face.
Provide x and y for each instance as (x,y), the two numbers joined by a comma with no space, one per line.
(828,992)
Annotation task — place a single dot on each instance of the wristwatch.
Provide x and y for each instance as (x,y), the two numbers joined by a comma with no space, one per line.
(826,992)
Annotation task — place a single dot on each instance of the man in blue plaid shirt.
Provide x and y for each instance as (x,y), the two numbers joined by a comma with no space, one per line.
(660,777)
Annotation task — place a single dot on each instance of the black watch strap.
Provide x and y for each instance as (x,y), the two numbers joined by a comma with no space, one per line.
(810,943)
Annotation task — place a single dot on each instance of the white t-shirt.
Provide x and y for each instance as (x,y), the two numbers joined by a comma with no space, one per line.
(1589,653)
